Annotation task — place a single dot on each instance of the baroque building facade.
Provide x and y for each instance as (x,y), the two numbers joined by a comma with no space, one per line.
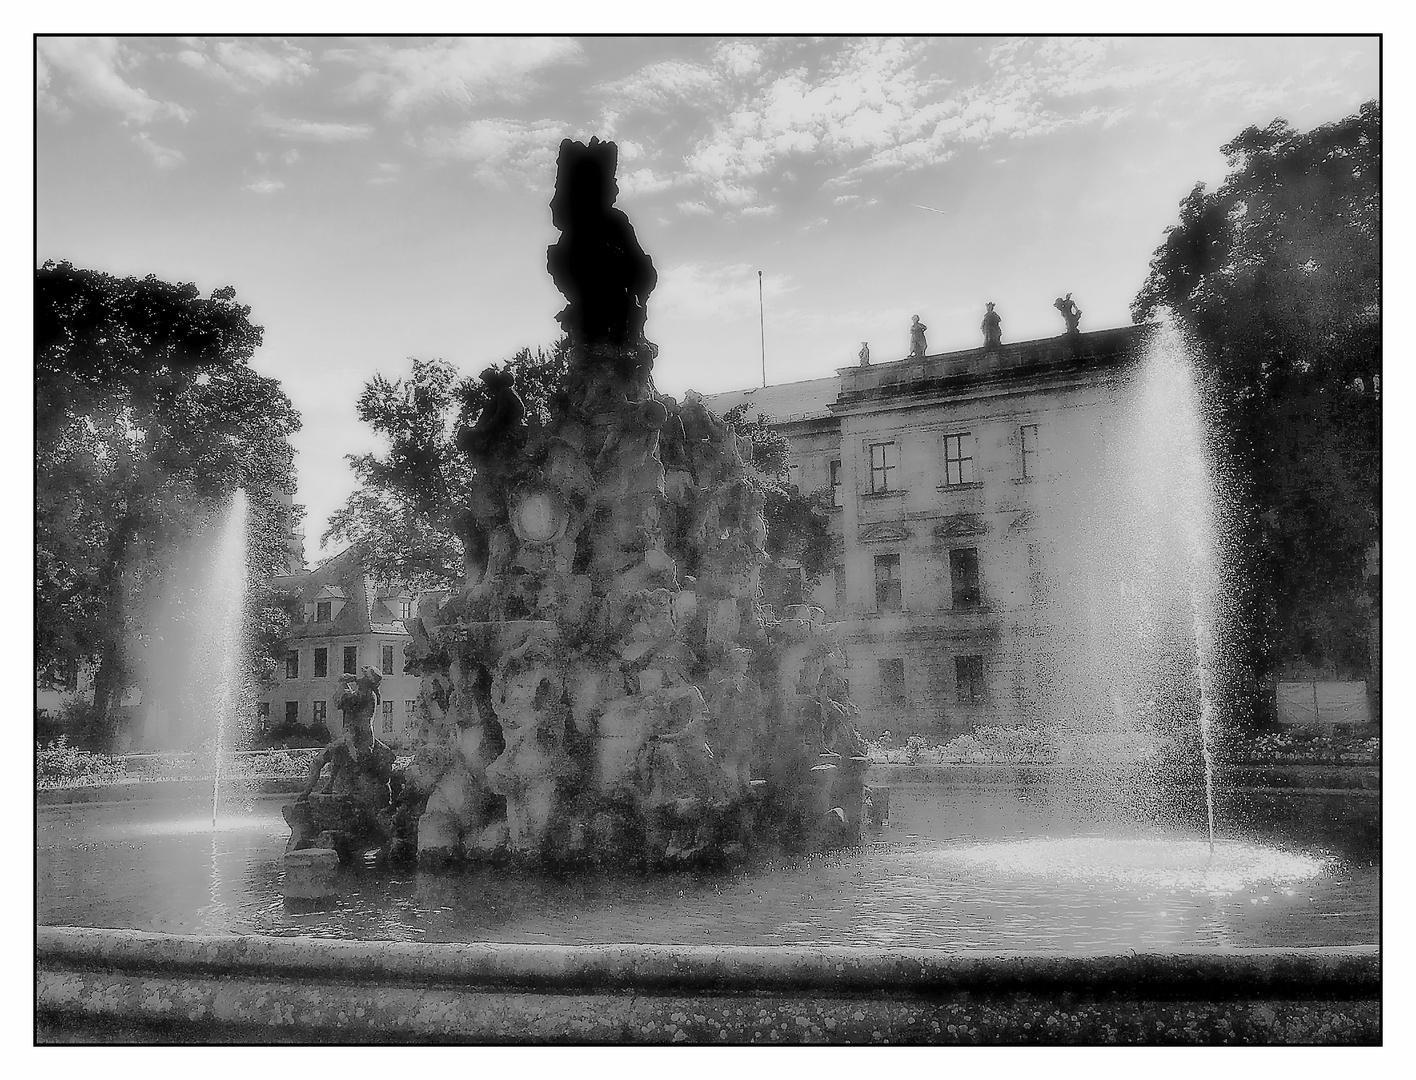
(950,475)
(346,623)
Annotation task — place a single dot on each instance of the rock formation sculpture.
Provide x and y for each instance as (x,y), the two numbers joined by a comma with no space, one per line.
(605,685)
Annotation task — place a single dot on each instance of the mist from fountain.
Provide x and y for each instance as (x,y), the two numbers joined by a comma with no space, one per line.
(227,599)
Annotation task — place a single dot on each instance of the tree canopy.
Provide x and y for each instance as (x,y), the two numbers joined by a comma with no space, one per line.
(148,417)
(402,514)
(1276,275)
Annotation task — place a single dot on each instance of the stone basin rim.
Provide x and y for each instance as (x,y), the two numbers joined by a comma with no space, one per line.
(1338,972)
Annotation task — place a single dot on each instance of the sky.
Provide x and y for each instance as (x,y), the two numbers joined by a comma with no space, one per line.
(376,199)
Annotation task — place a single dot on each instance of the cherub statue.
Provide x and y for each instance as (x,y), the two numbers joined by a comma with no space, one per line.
(503,413)
(1070,312)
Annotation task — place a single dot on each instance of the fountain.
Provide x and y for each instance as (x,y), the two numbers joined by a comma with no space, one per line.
(227,611)
(605,693)
(606,687)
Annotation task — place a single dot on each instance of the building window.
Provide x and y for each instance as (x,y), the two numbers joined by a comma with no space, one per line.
(351,659)
(958,459)
(1035,573)
(839,573)
(388,718)
(320,712)
(405,610)
(321,663)
(292,713)
(882,463)
(963,576)
(887,583)
(263,712)
(292,664)
(836,484)
(794,476)
(387,660)
(410,713)
(1027,437)
(892,681)
(322,610)
(968,672)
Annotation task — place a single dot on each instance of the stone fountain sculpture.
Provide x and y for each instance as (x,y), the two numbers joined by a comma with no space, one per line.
(606,686)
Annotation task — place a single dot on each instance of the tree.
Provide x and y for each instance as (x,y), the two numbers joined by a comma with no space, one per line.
(403,513)
(148,417)
(1276,276)
(798,523)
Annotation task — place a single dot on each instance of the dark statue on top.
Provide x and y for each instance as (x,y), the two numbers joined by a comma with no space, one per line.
(917,329)
(597,263)
(1070,313)
(992,327)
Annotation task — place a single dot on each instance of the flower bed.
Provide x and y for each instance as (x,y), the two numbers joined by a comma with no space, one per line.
(1045,746)
(60,765)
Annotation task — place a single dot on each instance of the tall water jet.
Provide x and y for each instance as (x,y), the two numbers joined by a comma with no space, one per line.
(1173,479)
(227,596)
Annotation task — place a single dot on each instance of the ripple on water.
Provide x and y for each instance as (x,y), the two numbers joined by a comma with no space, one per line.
(1161,863)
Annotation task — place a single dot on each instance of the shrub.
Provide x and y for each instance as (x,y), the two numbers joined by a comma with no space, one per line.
(61,765)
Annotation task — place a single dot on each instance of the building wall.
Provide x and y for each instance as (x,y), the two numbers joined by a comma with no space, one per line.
(1011,520)
(305,690)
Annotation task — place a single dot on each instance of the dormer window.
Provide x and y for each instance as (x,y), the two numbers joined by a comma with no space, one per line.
(405,610)
(322,611)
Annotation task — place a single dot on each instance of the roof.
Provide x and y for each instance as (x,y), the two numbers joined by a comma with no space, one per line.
(342,575)
(807,400)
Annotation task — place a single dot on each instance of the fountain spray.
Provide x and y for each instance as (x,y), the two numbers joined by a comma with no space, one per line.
(1182,480)
(228,594)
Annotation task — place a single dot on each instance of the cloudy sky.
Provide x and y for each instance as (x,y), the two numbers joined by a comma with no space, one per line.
(375,199)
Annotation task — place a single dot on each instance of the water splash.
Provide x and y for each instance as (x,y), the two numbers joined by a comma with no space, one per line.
(228,602)
(1165,864)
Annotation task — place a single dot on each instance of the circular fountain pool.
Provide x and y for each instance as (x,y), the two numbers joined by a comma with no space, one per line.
(965,870)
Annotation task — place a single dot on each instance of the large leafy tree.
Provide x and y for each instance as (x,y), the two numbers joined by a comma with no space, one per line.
(403,513)
(1276,277)
(148,417)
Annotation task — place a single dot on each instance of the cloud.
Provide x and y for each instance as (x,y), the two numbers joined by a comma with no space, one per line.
(703,291)
(660,87)
(93,70)
(248,64)
(643,182)
(312,130)
(387,174)
(162,156)
(265,186)
(502,151)
(457,71)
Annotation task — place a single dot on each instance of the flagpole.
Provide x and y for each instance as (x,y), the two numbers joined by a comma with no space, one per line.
(762,316)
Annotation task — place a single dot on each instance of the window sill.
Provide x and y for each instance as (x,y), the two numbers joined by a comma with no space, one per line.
(1025,479)
(884,494)
(974,485)
(835,507)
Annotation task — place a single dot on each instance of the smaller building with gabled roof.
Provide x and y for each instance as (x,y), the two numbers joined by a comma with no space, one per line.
(346,622)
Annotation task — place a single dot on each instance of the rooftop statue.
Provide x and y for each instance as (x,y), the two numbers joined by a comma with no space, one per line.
(917,329)
(864,354)
(597,263)
(1070,312)
(992,327)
